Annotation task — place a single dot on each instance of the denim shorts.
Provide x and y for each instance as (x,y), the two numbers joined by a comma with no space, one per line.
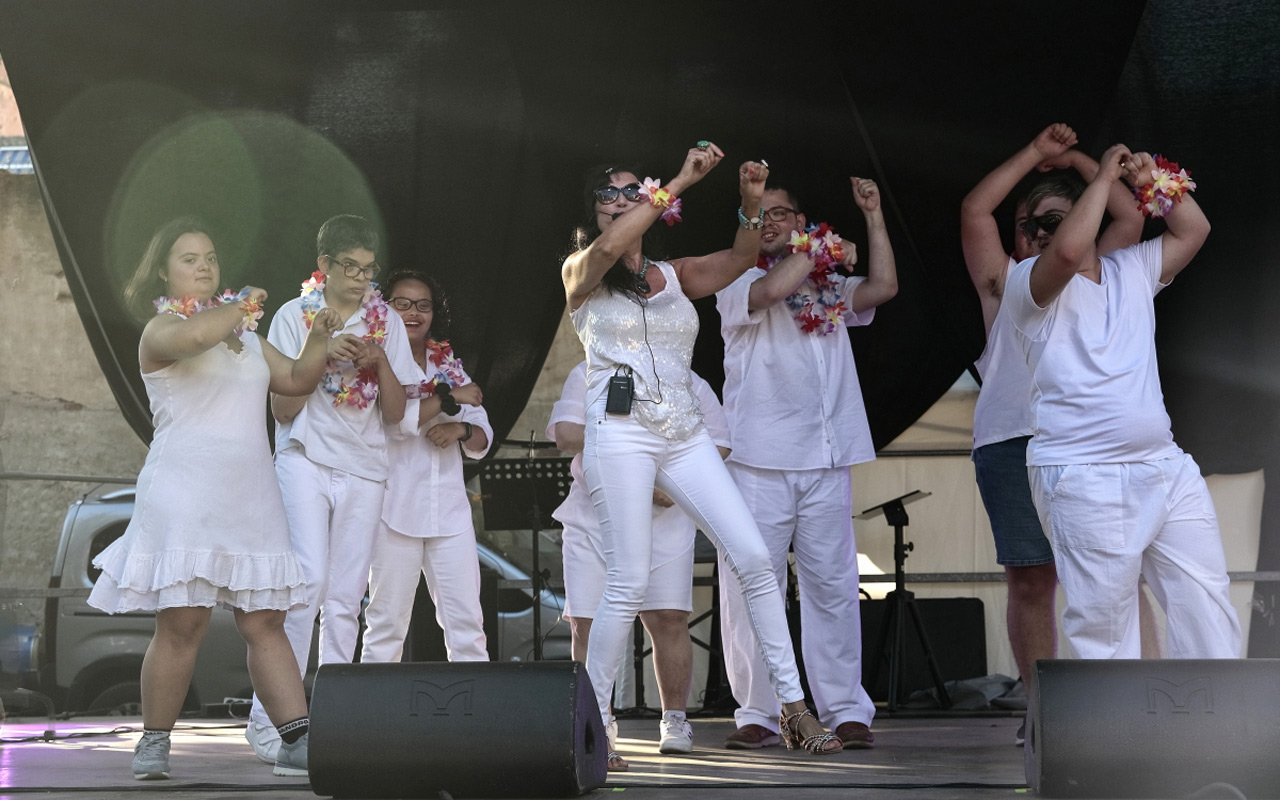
(1006,492)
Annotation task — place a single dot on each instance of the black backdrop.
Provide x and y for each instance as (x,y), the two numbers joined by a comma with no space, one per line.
(463,128)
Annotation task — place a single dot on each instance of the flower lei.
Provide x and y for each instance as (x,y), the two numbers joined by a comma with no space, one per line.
(1168,184)
(364,389)
(448,370)
(187,307)
(820,314)
(661,198)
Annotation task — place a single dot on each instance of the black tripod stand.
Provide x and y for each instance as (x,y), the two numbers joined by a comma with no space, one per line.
(901,602)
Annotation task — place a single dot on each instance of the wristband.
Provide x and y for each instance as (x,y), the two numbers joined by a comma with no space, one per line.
(470,430)
(753,224)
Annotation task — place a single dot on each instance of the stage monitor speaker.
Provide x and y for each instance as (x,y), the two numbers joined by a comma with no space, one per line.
(1155,728)
(414,730)
(957,632)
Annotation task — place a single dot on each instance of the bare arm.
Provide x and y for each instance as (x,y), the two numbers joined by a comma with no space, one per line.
(705,275)
(168,337)
(285,406)
(1126,218)
(785,278)
(882,282)
(298,377)
(570,437)
(1073,242)
(583,270)
(1187,227)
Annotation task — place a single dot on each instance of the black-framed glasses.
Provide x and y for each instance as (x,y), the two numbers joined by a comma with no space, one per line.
(608,195)
(1048,223)
(351,269)
(404,304)
(778,213)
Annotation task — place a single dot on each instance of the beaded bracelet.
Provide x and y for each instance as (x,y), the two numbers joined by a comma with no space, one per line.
(750,224)
(1168,184)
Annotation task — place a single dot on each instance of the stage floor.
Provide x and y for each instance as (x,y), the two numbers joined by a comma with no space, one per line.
(971,758)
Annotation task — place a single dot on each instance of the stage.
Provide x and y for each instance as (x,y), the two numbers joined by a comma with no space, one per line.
(968,758)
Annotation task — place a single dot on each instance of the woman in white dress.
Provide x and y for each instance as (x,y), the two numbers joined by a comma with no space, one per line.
(208,527)
(644,427)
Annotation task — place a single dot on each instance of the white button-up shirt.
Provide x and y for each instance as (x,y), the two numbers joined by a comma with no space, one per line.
(792,398)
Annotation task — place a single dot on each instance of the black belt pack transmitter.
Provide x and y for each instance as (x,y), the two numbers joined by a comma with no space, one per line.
(621,389)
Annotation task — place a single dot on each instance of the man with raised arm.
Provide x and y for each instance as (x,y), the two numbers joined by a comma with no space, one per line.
(1002,423)
(798,423)
(1118,497)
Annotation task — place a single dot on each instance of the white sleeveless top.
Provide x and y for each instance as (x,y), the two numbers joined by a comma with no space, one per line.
(1003,410)
(654,338)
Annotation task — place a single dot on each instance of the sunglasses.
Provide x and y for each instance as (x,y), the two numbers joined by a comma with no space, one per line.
(608,195)
(1048,223)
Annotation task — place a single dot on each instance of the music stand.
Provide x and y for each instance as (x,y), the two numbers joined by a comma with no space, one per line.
(520,493)
(901,602)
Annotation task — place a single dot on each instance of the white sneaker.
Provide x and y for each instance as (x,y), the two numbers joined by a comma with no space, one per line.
(676,736)
(265,740)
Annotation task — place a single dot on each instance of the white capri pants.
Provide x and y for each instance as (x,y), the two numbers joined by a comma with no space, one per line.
(333,516)
(623,462)
(452,569)
(670,577)
(1110,523)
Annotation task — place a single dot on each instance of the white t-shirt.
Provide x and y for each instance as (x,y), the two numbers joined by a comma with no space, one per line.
(577,510)
(1096,393)
(348,438)
(792,398)
(1003,411)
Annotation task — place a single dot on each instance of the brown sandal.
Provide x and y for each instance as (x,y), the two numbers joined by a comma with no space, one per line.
(789,730)
(617,763)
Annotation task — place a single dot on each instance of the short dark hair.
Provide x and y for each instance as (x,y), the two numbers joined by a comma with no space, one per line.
(441,308)
(148,281)
(1066,185)
(792,197)
(346,232)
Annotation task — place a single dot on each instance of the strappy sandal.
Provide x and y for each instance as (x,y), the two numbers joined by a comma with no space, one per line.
(789,730)
(617,763)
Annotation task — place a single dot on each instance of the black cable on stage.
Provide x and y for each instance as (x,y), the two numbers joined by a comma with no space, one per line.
(51,736)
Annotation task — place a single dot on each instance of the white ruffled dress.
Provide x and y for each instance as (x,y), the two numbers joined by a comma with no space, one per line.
(208,525)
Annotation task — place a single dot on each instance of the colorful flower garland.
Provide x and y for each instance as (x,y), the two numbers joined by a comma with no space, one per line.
(364,389)
(1168,184)
(661,198)
(821,314)
(187,307)
(448,370)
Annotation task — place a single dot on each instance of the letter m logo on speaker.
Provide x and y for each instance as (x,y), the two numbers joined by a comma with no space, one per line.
(439,698)
(1179,698)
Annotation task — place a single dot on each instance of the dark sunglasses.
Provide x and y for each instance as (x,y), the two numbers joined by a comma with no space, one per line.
(1048,223)
(608,195)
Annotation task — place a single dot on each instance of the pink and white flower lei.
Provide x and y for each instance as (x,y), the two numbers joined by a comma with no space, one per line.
(187,307)
(821,313)
(447,369)
(661,198)
(363,389)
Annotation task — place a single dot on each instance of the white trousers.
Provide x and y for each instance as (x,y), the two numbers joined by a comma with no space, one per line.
(332,519)
(670,574)
(1110,523)
(452,569)
(809,511)
(622,463)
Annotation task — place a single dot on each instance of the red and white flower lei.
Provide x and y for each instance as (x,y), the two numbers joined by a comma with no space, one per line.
(821,313)
(447,366)
(1168,184)
(187,307)
(363,390)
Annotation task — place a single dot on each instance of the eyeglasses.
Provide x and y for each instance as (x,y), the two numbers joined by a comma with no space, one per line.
(779,213)
(608,195)
(404,304)
(351,269)
(1048,223)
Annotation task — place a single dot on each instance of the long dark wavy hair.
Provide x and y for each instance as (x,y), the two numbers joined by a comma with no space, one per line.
(148,281)
(441,319)
(618,279)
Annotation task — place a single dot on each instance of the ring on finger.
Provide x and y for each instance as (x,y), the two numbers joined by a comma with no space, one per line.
(703,144)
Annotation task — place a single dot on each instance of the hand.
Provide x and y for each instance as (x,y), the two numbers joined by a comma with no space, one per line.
(850,256)
(1054,140)
(1109,166)
(255,295)
(866,194)
(697,163)
(1137,169)
(325,324)
(345,347)
(370,354)
(751,179)
(661,500)
(446,433)
(468,394)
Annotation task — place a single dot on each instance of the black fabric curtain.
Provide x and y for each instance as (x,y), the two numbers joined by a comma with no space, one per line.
(464,129)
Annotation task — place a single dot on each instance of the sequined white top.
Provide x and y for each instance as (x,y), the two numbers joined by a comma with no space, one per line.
(655,339)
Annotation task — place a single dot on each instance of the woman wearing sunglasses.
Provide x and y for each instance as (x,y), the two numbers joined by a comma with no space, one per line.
(644,428)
